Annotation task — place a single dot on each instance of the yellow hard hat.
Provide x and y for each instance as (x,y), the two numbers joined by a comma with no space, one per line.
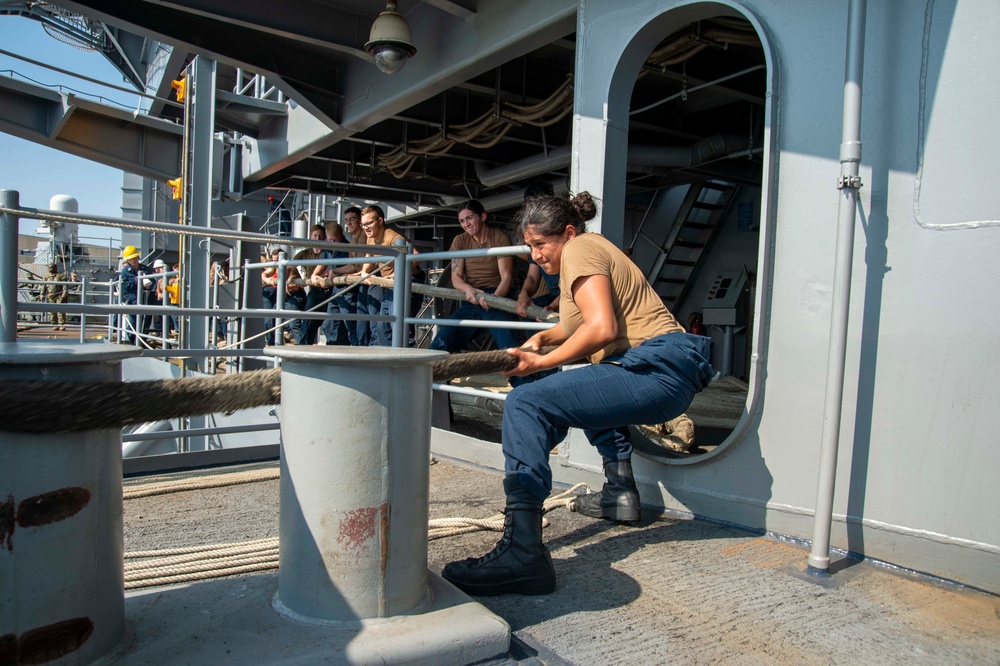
(130,253)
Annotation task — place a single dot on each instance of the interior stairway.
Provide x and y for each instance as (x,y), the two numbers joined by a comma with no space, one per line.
(678,253)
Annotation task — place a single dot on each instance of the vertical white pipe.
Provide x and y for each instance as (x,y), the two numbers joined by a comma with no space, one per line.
(850,159)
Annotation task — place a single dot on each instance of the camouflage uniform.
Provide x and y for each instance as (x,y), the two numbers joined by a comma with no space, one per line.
(56,293)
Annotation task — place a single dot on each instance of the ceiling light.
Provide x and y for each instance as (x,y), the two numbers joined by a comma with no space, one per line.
(389,42)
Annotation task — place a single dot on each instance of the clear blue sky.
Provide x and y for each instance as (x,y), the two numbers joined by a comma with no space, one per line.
(39,172)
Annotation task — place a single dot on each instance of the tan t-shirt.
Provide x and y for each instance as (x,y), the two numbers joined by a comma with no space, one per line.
(640,312)
(306,254)
(481,272)
(359,239)
(388,237)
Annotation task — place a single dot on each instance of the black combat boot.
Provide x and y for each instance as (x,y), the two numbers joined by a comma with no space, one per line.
(618,500)
(520,563)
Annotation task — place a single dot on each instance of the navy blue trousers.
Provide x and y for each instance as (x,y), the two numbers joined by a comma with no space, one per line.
(380,303)
(340,332)
(648,384)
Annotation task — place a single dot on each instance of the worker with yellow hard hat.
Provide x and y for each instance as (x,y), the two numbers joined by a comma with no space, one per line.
(129,290)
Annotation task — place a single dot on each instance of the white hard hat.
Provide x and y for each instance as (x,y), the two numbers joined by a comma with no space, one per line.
(159,264)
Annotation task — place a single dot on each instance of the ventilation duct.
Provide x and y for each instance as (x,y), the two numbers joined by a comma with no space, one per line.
(536,165)
(706,150)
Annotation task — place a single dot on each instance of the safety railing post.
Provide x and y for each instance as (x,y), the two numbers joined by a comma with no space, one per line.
(8,266)
(83,316)
(112,319)
(279,300)
(400,294)
(244,304)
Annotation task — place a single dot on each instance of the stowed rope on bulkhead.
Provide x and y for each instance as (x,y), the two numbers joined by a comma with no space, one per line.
(95,405)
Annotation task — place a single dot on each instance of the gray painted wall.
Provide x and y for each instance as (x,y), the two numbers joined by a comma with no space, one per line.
(917,477)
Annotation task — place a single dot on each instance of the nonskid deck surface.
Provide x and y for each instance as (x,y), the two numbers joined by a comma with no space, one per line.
(669,590)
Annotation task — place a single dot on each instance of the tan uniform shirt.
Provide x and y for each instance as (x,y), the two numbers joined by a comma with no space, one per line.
(388,237)
(360,239)
(640,312)
(481,272)
(306,254)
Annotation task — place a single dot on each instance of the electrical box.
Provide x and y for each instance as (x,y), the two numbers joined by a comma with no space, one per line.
(720,307)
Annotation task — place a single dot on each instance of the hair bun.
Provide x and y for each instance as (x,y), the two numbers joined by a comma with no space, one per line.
(584,206)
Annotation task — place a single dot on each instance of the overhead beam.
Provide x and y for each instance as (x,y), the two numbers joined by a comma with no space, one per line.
(145,146)
(304,22)
(693,82)
(452,8)
(295,67)
(339,95)
(450,52)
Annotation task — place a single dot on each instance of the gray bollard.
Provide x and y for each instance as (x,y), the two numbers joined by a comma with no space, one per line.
(61,547)
(355,429)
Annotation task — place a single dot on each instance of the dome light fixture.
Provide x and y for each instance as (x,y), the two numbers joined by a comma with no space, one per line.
(389,43)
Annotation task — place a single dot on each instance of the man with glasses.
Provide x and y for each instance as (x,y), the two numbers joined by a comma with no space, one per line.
(379,298)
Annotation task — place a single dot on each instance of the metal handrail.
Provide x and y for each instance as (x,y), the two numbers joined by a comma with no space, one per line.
(400,255)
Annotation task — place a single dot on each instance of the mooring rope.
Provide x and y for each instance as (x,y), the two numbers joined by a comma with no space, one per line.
(494,302)
(95,405)
(182,565)
(133,491)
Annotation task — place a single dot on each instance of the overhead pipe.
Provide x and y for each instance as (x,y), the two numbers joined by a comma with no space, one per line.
(708,84)
(709,148)
(848,184)
(536,165)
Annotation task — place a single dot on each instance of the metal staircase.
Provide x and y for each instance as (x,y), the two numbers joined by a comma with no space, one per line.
(691,231)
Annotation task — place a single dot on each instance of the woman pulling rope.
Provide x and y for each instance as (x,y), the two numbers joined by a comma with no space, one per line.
(645,368)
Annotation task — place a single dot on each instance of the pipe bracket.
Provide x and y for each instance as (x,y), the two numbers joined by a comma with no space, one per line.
(849,182)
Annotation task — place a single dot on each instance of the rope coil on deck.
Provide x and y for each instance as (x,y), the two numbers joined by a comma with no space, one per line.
(171,566)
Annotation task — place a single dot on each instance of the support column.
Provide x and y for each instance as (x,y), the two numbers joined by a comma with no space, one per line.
(61,544)
(8,266)
(201,119)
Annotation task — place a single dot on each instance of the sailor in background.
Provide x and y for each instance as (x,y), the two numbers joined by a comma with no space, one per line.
(644,369)
(550,299)
(379,298)
(335,331)
(128,288)
(476,277)
(56,293)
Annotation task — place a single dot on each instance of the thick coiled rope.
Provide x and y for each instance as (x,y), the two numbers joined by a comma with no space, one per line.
(163,487)
(172,566)
(95,405)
